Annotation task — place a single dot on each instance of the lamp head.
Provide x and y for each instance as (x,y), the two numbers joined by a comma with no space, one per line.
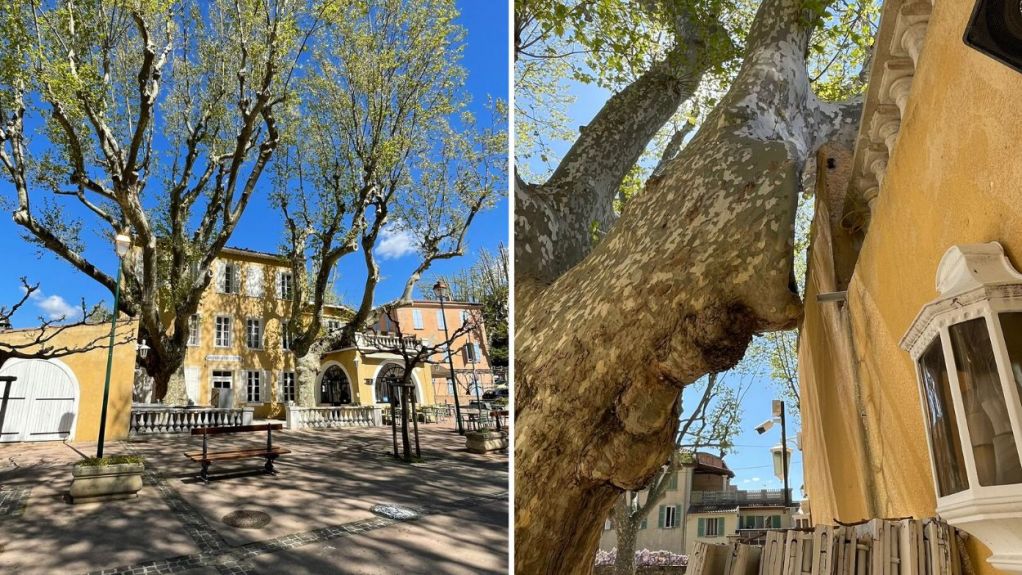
(143,349)
(122,243)
(765,426)
(441,289)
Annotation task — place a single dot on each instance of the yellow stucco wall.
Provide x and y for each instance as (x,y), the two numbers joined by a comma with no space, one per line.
(954,178)
(89,369)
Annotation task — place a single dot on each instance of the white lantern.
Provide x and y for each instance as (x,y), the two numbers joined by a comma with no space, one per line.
(967,345)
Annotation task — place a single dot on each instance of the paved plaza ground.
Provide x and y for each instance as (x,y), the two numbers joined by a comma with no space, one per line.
(319,503)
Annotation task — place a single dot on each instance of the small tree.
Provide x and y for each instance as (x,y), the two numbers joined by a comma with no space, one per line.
(414,353)
(713,423)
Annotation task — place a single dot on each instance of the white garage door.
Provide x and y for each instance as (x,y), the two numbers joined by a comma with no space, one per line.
(41,404)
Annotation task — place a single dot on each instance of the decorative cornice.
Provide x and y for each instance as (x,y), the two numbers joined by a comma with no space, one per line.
(896,56)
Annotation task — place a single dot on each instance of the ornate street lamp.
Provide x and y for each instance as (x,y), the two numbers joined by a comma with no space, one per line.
(122,243)
(781,453)
(967,346)
(442,291)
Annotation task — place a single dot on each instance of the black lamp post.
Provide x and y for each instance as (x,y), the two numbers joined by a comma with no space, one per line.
(441,290)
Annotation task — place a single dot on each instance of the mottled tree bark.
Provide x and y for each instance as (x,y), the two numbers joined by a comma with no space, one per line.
(696,264)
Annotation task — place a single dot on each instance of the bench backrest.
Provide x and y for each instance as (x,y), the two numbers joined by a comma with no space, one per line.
(236,429)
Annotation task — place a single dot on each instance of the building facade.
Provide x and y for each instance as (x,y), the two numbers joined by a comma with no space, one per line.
(935,169)
(700,504)
(470,351)
(239,351)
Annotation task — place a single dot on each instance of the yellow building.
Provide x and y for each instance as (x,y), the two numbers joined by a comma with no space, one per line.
(936,166)
(239,356)
(61,398)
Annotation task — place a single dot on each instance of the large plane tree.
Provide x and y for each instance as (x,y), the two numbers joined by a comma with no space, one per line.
(608,332)
(152,119)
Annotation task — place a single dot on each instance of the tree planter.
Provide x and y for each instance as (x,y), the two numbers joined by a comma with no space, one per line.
(485,441)
(108,482)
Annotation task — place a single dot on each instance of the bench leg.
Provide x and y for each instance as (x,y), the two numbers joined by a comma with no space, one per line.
(269,466)
(205,472)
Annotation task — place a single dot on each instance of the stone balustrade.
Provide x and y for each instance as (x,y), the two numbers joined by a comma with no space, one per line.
(381,342)
(339,416)
(164,419)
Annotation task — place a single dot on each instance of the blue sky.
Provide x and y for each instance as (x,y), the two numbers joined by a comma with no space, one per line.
(485,59)
(751,459)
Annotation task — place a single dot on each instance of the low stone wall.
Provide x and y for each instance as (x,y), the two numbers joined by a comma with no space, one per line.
(326,417)
(609,570)
(164,419)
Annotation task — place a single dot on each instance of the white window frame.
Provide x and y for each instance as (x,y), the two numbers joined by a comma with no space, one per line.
(712,531)
(285,289)
(195,330)
(258,375)
(670,516)
(288,380)
(227,282)
(417,319)
(217,342)
(248,332)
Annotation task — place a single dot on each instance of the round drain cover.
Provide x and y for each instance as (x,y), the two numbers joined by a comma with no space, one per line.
(391,511)
(246,519)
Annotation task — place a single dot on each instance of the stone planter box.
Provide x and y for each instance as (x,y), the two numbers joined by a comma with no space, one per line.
(485,441)
(92,483)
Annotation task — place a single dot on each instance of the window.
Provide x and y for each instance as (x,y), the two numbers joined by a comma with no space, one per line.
(417,318)
(642,524)
(608,525)
(254,333)
(333,325)
(228,280)
(222,379)
(468,353)
(287,386)
(672,481)
(710,527)
(254,280)
(465,316)
(285,336)
(774,521)
(223,331)
(450,387)
(668,516)
(194,325)
(253,386)
(439,319)
(285,285)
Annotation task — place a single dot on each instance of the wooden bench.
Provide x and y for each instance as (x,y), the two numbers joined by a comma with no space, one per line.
(205,457)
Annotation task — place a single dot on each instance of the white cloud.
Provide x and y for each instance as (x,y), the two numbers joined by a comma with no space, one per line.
(395,243)
(55,307)
(754,479)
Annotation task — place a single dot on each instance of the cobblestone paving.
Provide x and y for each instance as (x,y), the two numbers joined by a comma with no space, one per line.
(12,501)
(216,552)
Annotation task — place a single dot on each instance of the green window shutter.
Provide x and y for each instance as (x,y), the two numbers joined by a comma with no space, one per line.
(701,527)
(663,511)
(720,527)
(776,521)
(672,481)
(642,525)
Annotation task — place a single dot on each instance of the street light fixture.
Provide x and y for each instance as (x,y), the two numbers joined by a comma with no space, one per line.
(122,243)
(778,414)
(441,290)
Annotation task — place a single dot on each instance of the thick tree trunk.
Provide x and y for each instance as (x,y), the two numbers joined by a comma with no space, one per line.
(697,263)
(307,369)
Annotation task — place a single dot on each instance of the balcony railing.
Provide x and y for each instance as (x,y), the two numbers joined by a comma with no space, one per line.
(378,342)
(737,498)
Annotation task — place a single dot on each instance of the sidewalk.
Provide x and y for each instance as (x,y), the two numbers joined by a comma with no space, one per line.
(319,508)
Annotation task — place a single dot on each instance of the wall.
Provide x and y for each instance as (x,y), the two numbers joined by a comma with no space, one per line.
(954,178)
(90,370)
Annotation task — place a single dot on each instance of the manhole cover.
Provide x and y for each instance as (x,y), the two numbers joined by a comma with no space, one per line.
(246,519)
(391,511)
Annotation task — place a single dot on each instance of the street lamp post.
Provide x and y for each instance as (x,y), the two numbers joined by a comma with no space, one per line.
(778,415)
(441,290)
(121,244)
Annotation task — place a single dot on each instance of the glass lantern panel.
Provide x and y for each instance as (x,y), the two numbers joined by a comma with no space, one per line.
(942,425)
(1011,326)
(986,413)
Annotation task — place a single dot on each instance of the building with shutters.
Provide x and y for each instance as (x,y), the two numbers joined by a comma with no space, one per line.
(238,352)
(470,351)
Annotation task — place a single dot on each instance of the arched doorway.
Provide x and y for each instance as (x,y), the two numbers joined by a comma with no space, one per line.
(334,387)
(388,372)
